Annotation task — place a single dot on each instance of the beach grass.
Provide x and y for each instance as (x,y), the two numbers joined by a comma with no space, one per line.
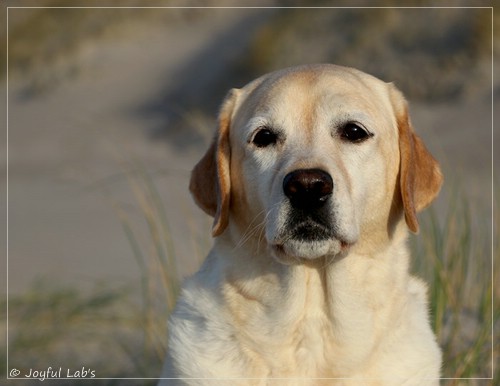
(453,254)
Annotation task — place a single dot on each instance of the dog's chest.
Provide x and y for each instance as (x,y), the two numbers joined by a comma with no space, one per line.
(285,327)
(312,345)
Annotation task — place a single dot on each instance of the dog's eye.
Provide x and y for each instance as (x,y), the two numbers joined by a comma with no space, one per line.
(264,137)
(354,133)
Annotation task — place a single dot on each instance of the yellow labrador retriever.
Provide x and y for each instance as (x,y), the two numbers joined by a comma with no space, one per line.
(313,179)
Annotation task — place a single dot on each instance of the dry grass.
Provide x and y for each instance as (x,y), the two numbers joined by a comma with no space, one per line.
(454,257)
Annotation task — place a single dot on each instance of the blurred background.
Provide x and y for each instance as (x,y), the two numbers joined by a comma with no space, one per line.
(108,110)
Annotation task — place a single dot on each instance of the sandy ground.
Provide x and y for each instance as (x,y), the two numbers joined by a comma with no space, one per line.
(66,146)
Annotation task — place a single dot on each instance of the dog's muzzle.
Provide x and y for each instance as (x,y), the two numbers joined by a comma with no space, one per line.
(310,229)
(309,191)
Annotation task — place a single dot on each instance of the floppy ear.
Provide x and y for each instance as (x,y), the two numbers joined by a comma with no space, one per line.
(210,182)
(420,177)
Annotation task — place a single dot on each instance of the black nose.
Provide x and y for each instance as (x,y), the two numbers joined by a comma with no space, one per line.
(308,188)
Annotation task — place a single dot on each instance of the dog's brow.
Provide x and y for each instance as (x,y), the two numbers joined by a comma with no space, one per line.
(352,116)
(257,121)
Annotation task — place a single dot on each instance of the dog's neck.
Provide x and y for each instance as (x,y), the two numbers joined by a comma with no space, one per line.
(254,268)
(277,305)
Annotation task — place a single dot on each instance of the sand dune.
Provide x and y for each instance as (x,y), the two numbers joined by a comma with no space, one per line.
(125,100)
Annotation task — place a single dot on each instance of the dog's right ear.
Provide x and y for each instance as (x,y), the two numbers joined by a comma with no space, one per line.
(210,182)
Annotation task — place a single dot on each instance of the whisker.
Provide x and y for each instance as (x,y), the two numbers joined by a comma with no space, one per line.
(328,260)
(251,229)
(254,228)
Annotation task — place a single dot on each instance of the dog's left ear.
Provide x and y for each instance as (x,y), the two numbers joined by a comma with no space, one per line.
(210,182)
(420,177)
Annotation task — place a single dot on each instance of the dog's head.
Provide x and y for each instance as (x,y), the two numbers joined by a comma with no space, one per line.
(315,160)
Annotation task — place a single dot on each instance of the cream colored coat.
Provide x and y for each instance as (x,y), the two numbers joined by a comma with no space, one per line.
(270,308)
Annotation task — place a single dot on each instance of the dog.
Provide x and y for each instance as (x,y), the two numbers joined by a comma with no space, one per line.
(314,179)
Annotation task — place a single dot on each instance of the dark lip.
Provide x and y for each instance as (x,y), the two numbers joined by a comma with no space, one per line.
(344,245)
(306,227)
(310,230)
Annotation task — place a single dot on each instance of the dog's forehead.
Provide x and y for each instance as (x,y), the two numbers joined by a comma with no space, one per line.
(303,87)
(329,77)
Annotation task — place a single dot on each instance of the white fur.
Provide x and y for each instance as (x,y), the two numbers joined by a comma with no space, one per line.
(266,309)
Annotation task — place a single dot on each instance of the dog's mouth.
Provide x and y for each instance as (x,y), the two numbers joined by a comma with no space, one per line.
(310,231)
(307,225)
(308,239)
(299,252)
